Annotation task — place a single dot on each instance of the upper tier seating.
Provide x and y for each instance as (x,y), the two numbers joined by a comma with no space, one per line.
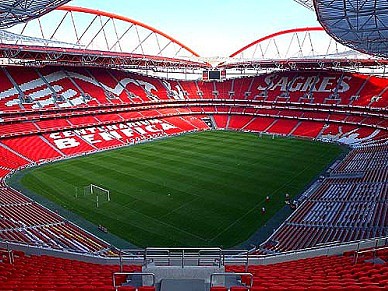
(135,91)
(112,89)
(9,97)
(35,91)
(67,93)
(53,87)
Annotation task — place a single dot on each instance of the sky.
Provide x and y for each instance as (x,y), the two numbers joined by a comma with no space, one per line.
(211,27)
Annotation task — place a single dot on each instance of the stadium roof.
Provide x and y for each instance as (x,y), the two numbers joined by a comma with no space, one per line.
(16,11)
(358,24)
(306,3)
(85,36)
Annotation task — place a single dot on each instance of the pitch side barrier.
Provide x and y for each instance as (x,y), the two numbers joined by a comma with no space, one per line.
(187,257)
(183,257)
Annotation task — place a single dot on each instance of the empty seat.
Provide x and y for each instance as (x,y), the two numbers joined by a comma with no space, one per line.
(146,288)
(239,288)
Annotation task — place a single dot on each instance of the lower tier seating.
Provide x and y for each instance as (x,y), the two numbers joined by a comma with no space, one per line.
(350,204)
(308,129)
(51,273)
(10,160)
(32,147)
(319,273)
(322,217)
(22,220)
(33,272)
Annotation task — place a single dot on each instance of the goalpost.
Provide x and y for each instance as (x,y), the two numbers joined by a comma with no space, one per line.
(97,191)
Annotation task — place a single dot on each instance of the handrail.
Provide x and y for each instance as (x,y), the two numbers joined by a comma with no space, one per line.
(145,104)
(205,111)
(229,274)
(10,254)
(137,256)
(115,274)
(374,250)
(156,253)
(328,244)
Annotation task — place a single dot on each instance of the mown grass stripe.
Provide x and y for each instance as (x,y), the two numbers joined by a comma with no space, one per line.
(203,189)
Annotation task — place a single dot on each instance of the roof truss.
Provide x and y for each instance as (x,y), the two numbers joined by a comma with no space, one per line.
(17,11)
(359,24)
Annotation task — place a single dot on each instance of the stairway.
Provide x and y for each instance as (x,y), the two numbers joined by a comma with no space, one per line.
(183,284)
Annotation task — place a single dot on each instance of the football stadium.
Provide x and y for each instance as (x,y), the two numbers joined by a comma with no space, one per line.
(131,161)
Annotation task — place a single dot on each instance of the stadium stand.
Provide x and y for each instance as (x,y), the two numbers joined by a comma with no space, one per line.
(17,127)
(348,205)
(309,129)
(77,111)
(8,91)
(319,273)
(23,220)
(10,159)
(32,272)
(61,98)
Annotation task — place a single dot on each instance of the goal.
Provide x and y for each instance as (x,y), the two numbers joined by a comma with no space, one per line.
(101,194)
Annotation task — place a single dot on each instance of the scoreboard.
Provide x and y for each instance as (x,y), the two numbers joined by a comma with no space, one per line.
(213,75)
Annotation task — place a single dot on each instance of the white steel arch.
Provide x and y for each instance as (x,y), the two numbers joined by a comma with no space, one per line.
(296,43)
(299,48)
(97,30)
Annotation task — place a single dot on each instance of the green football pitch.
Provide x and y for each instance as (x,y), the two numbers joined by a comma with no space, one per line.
(202,189)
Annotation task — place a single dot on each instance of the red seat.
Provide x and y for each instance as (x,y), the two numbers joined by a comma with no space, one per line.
(146,288)
(218,288)
(246,279)
(239,288)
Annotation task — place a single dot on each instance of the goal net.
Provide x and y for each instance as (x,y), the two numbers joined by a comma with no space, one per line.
(99,194)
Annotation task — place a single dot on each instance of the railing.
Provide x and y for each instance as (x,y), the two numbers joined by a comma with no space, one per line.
(373,250)
(217,257)
(328,249)
(32,249)
(200,256)
(74,112)
(117,275)
(183,256)
(246,278)
(8,254)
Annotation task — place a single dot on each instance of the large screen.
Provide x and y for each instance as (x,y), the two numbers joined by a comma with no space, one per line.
(214,75)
